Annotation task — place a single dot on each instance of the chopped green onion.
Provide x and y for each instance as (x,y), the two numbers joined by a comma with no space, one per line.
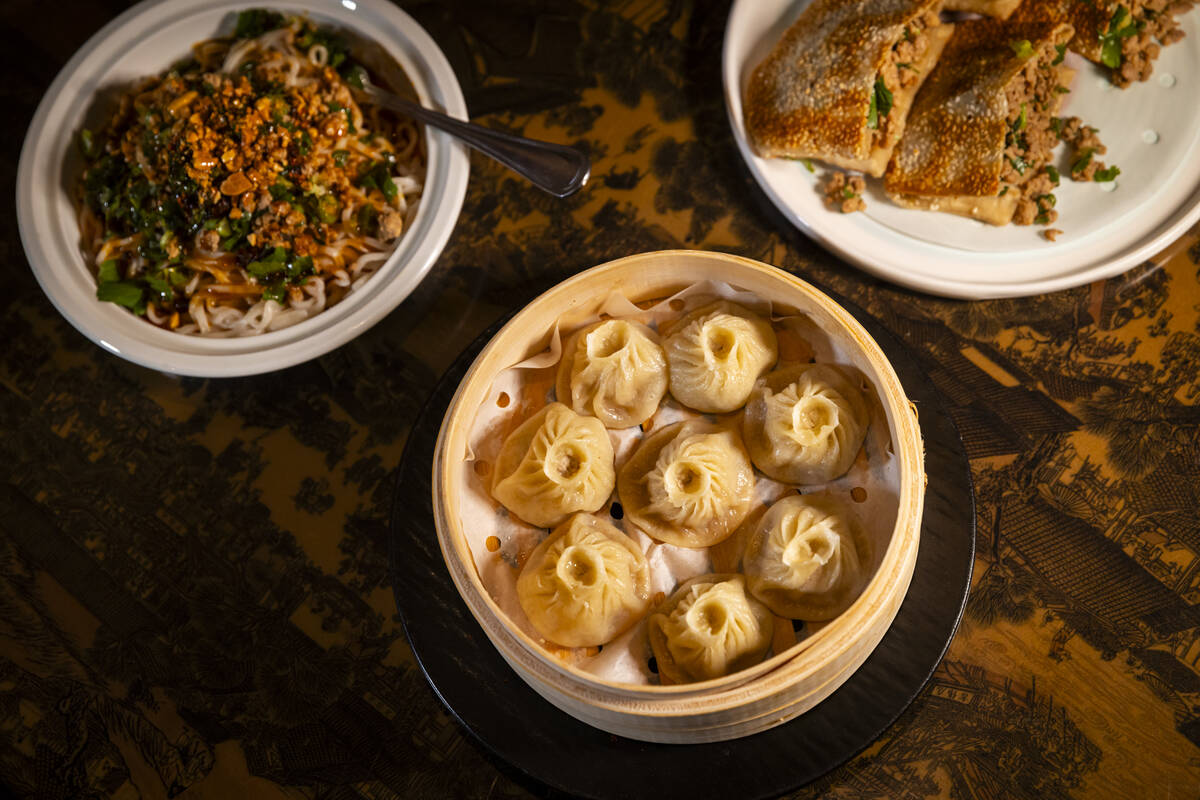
(1052,173)
(88,145)
(1062,53)
(808,165)
(1106,174)
(1022,48)
(847,192)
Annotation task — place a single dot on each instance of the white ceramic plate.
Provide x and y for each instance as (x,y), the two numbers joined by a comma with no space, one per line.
(1152,131)
(145,40)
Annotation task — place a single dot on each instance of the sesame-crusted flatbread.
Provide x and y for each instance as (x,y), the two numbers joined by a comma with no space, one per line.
(1000,9)
(960,132)
(1124,35)
(837,87)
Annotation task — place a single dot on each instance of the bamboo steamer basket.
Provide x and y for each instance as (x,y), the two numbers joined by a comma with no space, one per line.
(755,699)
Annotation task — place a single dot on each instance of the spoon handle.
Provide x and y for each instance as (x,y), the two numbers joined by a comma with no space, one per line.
(555,168)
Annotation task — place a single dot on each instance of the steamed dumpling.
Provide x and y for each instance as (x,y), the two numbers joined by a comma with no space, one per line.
(805,559)
(615,370)
(716,353)
(556,463)
(709,628)
(585,584)
(805,424)
(690,484)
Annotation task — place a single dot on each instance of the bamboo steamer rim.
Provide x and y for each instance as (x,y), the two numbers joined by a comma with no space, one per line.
(669,271)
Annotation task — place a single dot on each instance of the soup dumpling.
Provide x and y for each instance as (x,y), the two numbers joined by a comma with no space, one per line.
(805,424)
(806,558)
(715,354)
(585,584)
(690,484)
(615,370)
(554,464)
(710,627)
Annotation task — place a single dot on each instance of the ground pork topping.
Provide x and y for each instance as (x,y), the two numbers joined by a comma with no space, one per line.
(1131,42)
(899,71)
(1033,96)
(1085,145)
(845,192)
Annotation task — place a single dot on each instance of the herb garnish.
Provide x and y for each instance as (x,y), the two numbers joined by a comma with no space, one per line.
(1106,174)
(1110,41)
(1022,48)
(881,103)
(1082,160)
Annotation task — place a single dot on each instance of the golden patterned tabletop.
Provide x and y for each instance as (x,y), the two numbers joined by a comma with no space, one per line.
(194,596)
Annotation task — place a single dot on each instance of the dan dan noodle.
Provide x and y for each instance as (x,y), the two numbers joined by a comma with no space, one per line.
(246,189)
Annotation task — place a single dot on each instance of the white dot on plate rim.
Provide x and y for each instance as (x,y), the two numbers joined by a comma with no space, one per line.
(1166,79)
(1105,84)
(1149,136)
(1109,186)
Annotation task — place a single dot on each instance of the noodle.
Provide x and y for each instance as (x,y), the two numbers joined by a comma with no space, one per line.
(246,190)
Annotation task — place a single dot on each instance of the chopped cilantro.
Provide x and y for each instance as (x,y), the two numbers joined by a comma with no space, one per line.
(847,192)
(123,293)
(108,272)
(1106,174)
(276,292)
(1062,53)
(884,95)
(1082,160)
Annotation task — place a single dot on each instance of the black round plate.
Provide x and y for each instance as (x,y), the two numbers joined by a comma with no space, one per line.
(513,722)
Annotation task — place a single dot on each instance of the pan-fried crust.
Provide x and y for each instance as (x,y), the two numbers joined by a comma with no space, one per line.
(811,97)
(954,142)
(1000,9)
(1088,17)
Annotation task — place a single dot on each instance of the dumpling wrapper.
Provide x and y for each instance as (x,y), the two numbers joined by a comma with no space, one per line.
(805,424)
(805,559)
(708,628)
(716,353)
(690,484)
(555,463)
(811,97)
(615,370)
(584,584)
(952,154)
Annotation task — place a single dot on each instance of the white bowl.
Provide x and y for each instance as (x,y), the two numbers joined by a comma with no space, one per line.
(146,40)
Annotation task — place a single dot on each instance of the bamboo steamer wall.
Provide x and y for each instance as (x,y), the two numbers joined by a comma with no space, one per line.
(746,702)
